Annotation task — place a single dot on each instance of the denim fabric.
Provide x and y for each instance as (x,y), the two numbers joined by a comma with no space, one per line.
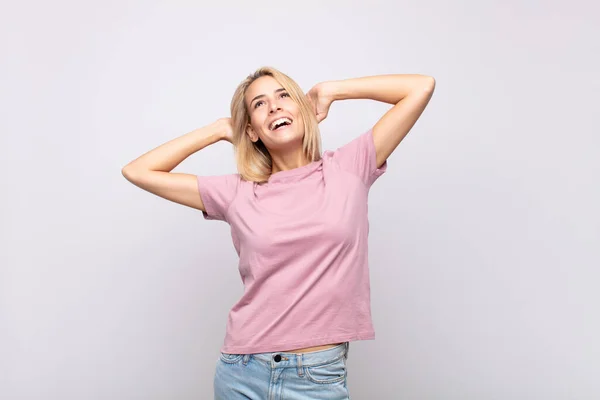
(318,375)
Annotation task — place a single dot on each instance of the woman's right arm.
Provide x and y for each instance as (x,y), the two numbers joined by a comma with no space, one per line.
(152,171)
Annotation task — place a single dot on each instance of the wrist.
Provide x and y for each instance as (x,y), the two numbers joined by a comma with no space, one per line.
(220,129)
(206,135)
(333,90)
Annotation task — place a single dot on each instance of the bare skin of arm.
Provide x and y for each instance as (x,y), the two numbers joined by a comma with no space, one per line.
(152,170)
(409,93)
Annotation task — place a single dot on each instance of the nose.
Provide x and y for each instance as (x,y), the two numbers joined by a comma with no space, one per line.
(274,108)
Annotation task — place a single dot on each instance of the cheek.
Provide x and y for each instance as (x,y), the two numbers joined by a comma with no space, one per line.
(256,120)
(299,119)
(298,113)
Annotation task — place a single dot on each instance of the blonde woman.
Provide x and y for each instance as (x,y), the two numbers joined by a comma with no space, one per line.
(298,222)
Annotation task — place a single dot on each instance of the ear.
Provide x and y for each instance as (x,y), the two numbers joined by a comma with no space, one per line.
(250,132)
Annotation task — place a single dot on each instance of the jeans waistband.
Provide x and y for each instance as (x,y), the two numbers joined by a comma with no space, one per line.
(286,360)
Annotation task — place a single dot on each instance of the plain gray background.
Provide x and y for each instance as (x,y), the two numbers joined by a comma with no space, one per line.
(485,231)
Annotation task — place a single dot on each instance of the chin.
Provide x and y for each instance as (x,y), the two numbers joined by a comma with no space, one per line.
(288,138)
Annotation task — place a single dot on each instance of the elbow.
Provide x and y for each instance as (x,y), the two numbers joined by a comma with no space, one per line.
(128,172)
(429,84)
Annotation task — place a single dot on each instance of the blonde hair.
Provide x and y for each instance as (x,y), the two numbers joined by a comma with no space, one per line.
(253,159)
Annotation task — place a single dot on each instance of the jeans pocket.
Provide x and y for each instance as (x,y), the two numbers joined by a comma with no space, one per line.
(330,372)
(231,358)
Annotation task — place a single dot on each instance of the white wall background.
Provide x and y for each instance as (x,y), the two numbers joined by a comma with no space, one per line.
(485,231)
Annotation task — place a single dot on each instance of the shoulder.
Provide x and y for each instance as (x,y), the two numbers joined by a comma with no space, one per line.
(357,156)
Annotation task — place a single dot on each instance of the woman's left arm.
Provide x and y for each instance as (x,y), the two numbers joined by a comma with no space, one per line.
(408,92)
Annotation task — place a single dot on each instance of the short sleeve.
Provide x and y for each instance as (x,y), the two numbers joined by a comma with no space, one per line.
(217,193)
(359,158)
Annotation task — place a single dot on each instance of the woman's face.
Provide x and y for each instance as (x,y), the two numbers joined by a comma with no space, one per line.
(274,117)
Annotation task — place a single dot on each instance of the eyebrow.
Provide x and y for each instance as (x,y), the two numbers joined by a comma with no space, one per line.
(262,95)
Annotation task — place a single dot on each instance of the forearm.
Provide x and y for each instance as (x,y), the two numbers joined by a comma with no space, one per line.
(389,89)
(168,155)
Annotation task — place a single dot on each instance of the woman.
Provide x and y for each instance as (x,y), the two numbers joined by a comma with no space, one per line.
(298,222)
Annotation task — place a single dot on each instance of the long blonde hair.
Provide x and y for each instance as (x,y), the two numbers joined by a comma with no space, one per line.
(253,160)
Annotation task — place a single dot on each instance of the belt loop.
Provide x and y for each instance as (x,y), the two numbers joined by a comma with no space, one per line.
(347,346)
(246,359)
(299,364)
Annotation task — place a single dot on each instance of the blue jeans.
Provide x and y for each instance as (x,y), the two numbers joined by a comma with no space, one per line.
(318,375)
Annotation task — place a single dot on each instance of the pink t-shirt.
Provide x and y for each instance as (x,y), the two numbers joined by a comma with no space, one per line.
(302,241)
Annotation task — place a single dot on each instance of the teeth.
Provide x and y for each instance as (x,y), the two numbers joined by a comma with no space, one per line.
(278,121)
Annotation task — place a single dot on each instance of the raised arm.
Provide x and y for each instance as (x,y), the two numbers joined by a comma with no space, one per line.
(409,93)
(152,171)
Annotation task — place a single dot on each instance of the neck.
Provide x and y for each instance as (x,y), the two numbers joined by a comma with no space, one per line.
(287,161)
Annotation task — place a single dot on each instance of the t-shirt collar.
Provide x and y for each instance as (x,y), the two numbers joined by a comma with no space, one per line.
(295,174)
